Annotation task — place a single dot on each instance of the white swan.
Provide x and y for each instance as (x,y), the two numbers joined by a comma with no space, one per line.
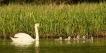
(23,37)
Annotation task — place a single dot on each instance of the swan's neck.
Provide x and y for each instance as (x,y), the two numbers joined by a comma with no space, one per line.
(37,34)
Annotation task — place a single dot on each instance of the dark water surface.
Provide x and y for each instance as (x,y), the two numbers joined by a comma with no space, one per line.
(51,46)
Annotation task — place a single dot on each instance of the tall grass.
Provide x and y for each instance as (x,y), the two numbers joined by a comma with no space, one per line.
(56,20)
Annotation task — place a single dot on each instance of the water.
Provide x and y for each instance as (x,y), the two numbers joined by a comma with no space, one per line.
(51,46)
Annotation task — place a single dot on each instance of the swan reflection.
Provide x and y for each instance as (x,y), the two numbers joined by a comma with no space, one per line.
(22,44)
(36,43)
(37,46)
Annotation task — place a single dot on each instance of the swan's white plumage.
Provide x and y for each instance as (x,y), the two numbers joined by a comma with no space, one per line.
(23,37)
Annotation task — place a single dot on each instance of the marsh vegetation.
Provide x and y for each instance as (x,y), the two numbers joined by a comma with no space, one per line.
(87,19)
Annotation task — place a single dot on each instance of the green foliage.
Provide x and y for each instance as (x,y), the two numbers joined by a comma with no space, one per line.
(49,1)
(57,20)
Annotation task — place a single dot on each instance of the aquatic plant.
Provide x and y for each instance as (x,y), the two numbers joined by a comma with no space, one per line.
(56,20)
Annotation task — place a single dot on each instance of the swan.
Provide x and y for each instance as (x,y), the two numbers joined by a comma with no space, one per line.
(69,38)
(90,39)
(23,37)
(77,38)
(58,39)
(83,37)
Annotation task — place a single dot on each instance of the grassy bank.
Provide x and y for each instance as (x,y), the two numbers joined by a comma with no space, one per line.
(56,20)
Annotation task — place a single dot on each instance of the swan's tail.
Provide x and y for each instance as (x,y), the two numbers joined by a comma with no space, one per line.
(12,38)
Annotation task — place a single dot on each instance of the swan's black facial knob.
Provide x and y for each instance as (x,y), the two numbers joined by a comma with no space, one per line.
(37,25)
(40,26)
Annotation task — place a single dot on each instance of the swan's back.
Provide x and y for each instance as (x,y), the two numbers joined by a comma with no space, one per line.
(23,37)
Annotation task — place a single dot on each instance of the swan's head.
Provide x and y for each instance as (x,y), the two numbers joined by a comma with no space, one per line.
(37,25)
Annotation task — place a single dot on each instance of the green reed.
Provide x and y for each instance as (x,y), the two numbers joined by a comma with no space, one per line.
(56,20)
